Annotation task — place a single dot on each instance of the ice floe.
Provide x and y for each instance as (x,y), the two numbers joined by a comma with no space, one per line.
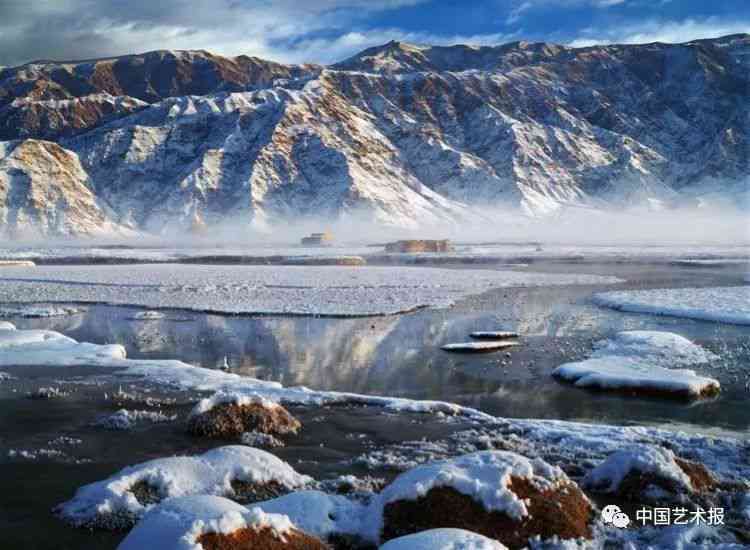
(149,316)
(113,503)
(478,347)
(310,290)
(632,361)
(443,539)
(719,304)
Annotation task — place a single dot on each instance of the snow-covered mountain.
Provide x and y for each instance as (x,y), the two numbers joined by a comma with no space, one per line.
(401,134)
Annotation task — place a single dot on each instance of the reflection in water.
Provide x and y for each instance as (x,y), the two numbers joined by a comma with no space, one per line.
(400,355)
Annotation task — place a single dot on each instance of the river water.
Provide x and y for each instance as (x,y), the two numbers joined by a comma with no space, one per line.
(395,356)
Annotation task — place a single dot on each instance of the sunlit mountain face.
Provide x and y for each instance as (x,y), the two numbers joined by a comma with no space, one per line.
(398,134)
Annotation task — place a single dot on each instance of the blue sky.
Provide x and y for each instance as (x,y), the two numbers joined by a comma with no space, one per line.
(325,31)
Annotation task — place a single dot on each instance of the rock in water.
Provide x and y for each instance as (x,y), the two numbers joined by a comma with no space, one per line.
(228,416)
(500,495)
(649,474)
(493,334)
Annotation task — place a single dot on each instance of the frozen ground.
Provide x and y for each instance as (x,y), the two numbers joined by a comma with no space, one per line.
(720,304)
(310,290)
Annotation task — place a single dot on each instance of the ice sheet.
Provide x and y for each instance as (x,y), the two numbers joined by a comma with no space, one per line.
(720,304)
(309,290)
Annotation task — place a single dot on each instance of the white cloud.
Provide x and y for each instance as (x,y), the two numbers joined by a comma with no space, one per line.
(70,29)
(661,31)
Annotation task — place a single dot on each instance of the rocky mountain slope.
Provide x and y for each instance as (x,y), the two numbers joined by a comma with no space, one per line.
(401,134)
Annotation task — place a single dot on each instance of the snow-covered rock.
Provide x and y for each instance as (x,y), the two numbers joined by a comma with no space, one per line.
(636,361)
(226,415)
(124,497)
(320,514)
(648,471)
(190,523)
(499,494)
(443,539)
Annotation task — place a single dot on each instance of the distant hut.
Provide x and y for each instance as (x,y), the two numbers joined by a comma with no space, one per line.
(413,246)
(318,239)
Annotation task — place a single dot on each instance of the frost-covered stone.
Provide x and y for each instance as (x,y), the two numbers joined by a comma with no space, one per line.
(213,523)
(125,419)
(648,473)
(227,415)
(113,504)
(499,494)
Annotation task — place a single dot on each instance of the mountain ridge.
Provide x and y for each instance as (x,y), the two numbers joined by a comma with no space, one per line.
(394,133)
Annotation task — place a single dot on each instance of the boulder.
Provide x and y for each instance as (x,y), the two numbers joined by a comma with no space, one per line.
(215,523)
(500,495)
(649,474)
(228,416)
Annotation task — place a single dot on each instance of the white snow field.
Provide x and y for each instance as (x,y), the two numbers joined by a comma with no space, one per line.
(110,502)
(177,523)
(719,304)
(637,361)
(443,539)
(310,290)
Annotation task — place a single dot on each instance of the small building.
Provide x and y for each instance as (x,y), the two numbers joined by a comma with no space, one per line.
(317,239)
(413,246)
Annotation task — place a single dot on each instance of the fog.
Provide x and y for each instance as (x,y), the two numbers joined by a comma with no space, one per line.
(704,226)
